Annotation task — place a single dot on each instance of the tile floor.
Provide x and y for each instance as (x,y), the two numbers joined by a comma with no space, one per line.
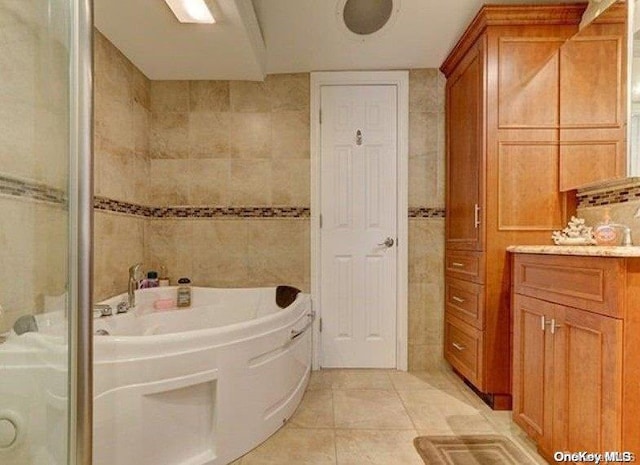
(370,417)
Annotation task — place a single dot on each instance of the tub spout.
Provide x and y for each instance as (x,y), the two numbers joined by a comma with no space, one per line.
(134,273)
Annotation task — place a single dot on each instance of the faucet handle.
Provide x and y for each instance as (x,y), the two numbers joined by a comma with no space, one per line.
(123,307)
(100,310)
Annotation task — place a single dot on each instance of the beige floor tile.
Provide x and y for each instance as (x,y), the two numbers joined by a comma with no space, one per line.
(410,381)
(438,412)
(315,410)
(361,379)
(321,379)
(295,446)
(370,447)
(369,409)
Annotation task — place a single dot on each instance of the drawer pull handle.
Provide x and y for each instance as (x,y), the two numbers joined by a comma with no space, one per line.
(457,264)
(476,214)
(460,300)
(458,346)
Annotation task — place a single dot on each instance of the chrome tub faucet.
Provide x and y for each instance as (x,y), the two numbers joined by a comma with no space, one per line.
(134,277)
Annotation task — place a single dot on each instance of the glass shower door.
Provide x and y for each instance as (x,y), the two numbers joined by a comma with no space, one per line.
(40,216)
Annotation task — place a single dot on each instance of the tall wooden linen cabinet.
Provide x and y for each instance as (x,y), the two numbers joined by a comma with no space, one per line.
(502,132)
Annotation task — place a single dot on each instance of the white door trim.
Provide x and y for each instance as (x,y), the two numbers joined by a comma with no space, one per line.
(400,79)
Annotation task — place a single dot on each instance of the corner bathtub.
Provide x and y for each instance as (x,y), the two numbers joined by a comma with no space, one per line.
(195,386)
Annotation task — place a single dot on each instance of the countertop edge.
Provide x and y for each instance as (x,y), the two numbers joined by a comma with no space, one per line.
(578,250)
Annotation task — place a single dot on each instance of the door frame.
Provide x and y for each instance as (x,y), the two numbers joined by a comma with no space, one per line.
(399,79)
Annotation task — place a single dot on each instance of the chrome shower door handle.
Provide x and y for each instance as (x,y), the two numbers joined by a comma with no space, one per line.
(388,243)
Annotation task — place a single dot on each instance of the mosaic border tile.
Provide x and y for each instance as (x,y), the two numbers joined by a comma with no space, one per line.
(41,192)
(31,190)
(424,212)
(608,197)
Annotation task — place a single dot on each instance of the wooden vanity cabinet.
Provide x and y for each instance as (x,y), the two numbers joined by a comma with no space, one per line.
(575,352)
(502,162)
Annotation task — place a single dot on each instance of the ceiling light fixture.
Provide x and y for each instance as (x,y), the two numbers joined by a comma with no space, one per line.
(191,11)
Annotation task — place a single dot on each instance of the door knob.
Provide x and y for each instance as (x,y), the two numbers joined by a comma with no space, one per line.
(388,242)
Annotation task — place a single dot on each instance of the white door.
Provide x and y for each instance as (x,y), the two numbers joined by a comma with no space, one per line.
(359,225)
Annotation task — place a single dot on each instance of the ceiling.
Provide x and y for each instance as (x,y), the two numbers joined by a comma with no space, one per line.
(257,37)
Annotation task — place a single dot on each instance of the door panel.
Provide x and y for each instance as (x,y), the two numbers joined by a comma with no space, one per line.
(464,154)
(588,370)
(532,369)
(359,212)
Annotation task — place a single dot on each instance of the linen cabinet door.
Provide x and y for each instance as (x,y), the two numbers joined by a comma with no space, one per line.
(465,152)
(587,381)
(532,368)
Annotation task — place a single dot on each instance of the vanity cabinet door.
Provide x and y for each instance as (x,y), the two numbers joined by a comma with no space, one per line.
(587,381)
(532,368)
(465,152)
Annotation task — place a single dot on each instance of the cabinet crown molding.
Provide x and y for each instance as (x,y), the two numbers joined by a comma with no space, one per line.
(511,15)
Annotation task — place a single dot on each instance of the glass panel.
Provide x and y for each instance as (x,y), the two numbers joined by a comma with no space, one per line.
(34,224)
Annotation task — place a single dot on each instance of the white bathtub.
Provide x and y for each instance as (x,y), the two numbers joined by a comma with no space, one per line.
(194,386)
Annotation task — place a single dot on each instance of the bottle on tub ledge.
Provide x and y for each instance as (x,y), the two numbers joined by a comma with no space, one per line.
(184,293)
(150,281)
(164,280)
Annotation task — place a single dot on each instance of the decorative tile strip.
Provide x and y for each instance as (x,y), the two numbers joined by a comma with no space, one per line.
(230,212)
(609,197)
(422,212)
(117,206)
(31,190)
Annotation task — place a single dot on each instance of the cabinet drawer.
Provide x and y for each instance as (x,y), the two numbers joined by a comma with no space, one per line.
(465,265)
(463,348)
(465,301)
(595,284)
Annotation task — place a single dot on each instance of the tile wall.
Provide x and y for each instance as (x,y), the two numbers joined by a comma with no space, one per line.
(621,201)
(244,144)
(33,158)
(121,164)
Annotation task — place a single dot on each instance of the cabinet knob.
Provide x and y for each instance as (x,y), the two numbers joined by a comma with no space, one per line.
(455,298)
(459,347)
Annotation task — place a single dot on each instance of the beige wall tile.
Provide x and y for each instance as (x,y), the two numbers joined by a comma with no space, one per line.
(141,123)
(290,134)
(209,96)
(423,181)
(209,182)
(113,71)
(423,133)
(113,125)
(168,183)
(169,243)
(219,252)
(250,135)
(209,134)
(169,135)
(118,244)
(141,89)
(249,96)
(250,182)
(288,92)
(33,253)
(423,90)
(290,182)
(170,96)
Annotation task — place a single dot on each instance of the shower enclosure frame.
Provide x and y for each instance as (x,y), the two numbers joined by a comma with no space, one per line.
(80,424)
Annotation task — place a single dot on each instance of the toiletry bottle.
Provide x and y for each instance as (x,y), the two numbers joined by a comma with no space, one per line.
(605,233)
(184,293)
(152,279)
(164,279)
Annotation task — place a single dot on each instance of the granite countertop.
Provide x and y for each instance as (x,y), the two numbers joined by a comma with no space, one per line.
(584,250)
